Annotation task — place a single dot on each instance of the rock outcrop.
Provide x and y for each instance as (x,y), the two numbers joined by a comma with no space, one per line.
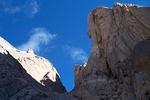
(119,65)
(26,76)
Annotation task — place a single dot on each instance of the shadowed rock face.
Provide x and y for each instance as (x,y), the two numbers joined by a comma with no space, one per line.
(15,83)
(119,65)
(141,56)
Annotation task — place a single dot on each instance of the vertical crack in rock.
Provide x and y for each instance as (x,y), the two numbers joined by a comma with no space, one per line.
(110,74)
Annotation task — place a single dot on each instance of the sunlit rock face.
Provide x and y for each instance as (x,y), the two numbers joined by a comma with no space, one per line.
(119,65)
(35,65)
(26,76)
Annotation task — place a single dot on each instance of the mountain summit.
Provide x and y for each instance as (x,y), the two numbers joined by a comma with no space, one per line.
(23,73)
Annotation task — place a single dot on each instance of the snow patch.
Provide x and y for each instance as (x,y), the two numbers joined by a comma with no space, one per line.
(128,5)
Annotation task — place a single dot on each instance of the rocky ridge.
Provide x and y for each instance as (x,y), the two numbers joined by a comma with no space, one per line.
(26,76)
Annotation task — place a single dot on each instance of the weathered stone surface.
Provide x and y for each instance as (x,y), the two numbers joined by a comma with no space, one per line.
(119,65)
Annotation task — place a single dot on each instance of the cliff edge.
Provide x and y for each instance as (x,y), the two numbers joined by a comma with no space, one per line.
(119,65)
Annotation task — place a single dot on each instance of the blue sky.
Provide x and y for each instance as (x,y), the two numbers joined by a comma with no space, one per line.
(55,29)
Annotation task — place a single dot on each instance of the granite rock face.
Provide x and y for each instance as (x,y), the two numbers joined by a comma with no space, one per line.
(119,65)
(26,76)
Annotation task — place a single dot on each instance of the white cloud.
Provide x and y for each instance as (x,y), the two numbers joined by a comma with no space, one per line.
(30,7)
(39,37)
(77,54)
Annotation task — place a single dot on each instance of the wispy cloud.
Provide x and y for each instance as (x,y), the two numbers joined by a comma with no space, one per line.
(12,10)
(77,54)
(39,37)
(30,7)
(33,8)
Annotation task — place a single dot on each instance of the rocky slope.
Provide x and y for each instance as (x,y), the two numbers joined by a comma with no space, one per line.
(119,65)
(26,76)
